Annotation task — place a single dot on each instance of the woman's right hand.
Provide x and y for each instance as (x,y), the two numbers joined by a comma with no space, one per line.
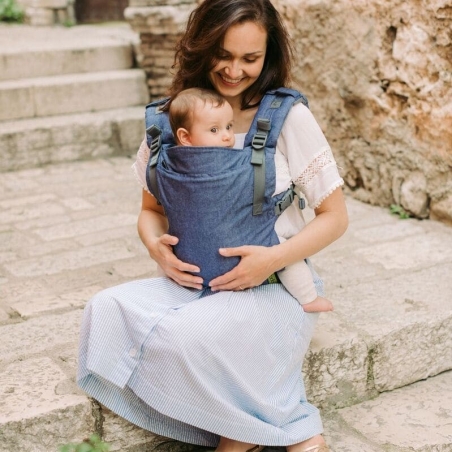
(152,227)
(174,268)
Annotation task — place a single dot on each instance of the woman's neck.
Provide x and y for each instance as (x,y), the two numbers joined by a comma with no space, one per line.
(242,118)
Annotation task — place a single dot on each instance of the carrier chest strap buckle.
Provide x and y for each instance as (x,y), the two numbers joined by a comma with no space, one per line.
(287,200)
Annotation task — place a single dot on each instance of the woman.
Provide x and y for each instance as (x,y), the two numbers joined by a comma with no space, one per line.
(222,366)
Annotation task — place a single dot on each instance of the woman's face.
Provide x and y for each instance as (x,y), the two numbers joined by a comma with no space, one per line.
(240,60)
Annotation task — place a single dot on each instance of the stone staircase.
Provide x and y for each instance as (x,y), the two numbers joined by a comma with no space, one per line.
(379,365)
(68,94)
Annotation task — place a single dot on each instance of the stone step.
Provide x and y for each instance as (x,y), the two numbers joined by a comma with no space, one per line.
(27,52)
(414,418)
(71,93)
(28,143)
(68,230)
(388,279)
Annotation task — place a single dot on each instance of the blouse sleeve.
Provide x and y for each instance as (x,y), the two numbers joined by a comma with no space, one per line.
(311,163)
(140,165)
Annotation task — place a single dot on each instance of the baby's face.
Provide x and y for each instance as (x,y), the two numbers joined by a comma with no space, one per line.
(212,126)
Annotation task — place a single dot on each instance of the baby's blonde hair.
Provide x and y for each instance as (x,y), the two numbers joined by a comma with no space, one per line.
(182,106)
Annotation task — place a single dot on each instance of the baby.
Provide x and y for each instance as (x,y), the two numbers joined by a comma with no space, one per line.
(200,117)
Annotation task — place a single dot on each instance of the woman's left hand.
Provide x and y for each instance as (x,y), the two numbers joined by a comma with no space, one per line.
(254,268)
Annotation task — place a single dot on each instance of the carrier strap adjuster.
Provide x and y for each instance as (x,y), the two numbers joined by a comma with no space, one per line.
(260,137)
(155,134)
(258,161)
(156,142)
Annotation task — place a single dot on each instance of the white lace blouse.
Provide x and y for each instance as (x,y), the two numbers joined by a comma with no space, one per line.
(303,156)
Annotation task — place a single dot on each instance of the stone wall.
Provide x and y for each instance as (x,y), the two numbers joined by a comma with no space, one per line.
(160,23)
(48,12)
(379,78)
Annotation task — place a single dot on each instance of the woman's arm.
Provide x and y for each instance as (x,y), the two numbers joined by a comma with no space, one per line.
(152,228)
(258,262)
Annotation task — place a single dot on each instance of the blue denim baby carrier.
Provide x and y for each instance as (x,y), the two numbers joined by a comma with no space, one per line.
(217,197)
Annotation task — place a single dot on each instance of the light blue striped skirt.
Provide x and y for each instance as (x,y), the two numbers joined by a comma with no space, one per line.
(195,365)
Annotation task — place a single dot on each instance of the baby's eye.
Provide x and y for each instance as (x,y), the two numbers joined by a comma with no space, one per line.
(229,127)
(214,129)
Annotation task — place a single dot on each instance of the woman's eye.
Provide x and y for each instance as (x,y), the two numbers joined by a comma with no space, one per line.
(248,60)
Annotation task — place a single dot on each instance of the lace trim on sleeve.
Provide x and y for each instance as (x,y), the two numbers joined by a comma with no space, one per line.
(323,159)
(328,193)
(320,178)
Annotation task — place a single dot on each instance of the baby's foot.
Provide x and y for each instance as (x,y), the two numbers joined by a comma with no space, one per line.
(320,304)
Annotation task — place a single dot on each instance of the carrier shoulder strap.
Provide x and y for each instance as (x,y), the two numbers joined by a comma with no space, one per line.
(264,132)
(158,131)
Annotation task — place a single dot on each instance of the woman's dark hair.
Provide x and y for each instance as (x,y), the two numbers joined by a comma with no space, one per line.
(198,49)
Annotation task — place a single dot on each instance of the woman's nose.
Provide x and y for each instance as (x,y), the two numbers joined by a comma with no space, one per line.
(233,69)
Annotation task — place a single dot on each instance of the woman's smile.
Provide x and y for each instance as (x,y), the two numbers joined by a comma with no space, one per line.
(230,81)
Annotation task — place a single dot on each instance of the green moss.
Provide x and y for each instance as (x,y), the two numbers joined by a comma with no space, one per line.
(92,444)
(10,11)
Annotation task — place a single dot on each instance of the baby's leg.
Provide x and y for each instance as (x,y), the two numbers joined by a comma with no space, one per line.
(297,279)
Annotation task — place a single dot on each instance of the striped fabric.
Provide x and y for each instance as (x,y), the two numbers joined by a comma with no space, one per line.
(195,365)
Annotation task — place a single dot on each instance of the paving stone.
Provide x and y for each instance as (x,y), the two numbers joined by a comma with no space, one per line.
(76,203)
(35,413)
(39,335)
(29,388)
(48,248)
(399,254)
(67,300)
(107,235)
(26,200)
(416,417)
(11,241)
(3,315)
(8,256)
(21,213)
(57,263)
(138,267)
(95,224)
(341,437)
(42,222)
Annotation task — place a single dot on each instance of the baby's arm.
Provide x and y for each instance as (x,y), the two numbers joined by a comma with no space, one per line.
(297,279)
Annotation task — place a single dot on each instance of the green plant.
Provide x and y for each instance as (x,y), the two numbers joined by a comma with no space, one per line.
(10,11)
(91,444)
(395,209)
(68,23)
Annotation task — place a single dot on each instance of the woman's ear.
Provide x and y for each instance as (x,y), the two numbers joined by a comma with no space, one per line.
(183,137)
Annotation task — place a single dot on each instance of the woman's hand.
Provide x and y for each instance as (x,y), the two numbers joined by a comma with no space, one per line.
(174,268)
(255,266)
(152,227)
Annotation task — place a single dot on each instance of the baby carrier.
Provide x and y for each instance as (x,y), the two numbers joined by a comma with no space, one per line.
(217,197)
